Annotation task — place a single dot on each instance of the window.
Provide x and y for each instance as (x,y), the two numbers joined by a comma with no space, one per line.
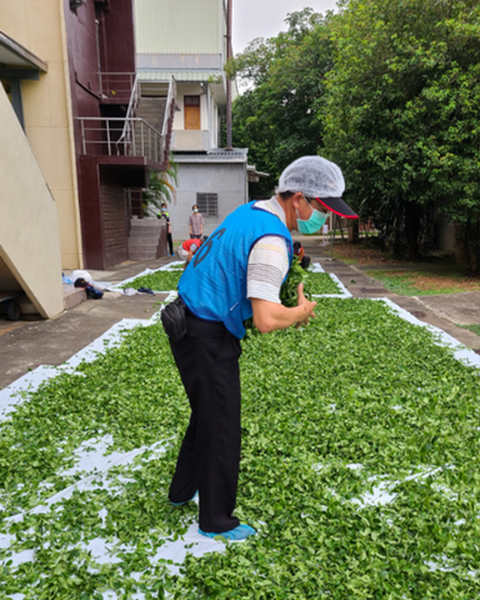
(208,204)
(192,112)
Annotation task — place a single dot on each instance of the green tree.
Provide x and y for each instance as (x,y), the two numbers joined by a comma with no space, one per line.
(402,116)
(161,188)
(277,118)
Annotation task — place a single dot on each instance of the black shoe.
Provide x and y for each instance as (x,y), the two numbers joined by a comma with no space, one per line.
(144,290)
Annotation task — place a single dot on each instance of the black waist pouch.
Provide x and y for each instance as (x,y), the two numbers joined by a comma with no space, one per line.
(174,319)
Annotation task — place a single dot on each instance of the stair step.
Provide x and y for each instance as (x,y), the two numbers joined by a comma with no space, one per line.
(146,223)
(143,255)
(144,239)
(73,296)
(142,243)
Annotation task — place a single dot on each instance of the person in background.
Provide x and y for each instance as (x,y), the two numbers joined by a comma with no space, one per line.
(163,214)
(300,253)
(195,223)
(237,273)
(193,249)
(298,250)
(186,248)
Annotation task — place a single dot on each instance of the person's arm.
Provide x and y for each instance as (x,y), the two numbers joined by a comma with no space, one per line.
(270,316)
(268,265)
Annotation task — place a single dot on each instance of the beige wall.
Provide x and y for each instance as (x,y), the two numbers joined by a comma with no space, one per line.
(39,26)
(29,233)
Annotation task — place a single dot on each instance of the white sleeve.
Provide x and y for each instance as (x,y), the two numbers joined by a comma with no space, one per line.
(267,267)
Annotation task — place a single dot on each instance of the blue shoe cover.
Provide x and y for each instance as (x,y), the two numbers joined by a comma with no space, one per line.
(241,532)
(182,503)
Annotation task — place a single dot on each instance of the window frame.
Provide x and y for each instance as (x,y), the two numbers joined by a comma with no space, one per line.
(207,203)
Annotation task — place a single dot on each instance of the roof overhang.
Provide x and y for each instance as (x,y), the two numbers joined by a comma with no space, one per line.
(15,56)
(211,77)
(254,175)
(181,75)
(217,155)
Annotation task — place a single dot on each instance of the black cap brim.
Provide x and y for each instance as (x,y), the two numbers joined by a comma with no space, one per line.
(338,206)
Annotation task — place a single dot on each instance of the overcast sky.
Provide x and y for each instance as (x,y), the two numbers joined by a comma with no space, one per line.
(266,18)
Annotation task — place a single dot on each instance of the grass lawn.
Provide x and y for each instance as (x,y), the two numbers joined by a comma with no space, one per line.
(474,328)
(435,275)
(425,282)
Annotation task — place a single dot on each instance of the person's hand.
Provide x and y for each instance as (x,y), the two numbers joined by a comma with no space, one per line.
(306,305)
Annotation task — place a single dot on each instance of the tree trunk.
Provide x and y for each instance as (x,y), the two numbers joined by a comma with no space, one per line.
(413,215)
(462,258)
(474,246)
(353,235)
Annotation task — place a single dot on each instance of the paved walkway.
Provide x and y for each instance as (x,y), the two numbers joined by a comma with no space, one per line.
(26,344)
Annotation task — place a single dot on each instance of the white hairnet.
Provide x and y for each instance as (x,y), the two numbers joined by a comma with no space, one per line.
(314,177)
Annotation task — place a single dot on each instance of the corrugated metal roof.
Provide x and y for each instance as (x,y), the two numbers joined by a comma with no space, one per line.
(216,155)
(211,75)
(186,26)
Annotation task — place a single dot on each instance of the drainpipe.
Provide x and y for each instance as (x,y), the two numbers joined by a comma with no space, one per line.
(228,81)
(206,91)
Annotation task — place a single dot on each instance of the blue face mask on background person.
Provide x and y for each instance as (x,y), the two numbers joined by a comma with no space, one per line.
(313,223)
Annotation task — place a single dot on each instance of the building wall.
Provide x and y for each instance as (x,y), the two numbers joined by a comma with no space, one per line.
(114,52)
(208,136)
(228,180)
(40,27)
(100,41)
(29,228)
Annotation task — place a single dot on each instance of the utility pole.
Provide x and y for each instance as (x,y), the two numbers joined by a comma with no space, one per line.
(228,81)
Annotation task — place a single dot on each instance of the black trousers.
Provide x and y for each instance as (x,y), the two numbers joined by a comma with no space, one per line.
(207,358)
(170,242)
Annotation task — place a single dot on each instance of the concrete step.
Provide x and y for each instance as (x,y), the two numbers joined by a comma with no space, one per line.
(144,241)
(133,247)
(146,222)
(142,256)
(73,296)
(142,224)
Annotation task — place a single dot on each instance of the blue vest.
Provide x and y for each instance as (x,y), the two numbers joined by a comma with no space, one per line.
(214,284)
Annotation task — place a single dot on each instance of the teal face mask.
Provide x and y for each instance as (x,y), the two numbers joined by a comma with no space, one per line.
(313,223)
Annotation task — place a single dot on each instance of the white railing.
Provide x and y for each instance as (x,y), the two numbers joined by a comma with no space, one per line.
(104,136)
(172,94)
(131,111)
(116,85)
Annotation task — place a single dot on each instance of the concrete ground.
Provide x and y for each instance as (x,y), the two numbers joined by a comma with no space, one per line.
(26,344)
